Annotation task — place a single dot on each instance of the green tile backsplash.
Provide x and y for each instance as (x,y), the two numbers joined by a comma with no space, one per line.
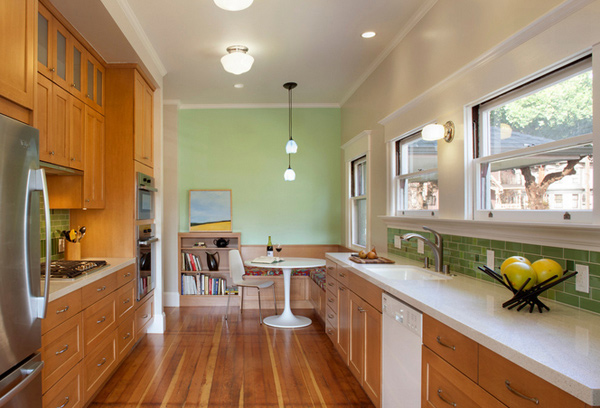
(59,221)
(465,254)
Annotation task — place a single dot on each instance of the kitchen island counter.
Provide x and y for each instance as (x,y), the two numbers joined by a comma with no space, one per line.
(561,346)
(62,287)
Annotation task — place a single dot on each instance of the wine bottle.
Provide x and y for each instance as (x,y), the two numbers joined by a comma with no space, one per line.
(269,247)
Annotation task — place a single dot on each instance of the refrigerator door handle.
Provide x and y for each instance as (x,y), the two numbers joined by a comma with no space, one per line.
(27,372)
(39,184)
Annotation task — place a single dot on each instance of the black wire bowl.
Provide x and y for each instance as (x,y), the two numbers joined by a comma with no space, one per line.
(523,298)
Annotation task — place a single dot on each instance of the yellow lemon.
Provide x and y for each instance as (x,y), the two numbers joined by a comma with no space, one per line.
(517,273)
(546,268)
(513,259)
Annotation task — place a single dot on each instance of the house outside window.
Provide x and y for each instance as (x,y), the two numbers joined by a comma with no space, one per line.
(358,197)
(416,178)
(533,149)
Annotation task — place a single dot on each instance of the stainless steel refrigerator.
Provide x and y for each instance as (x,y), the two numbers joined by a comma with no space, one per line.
(22,305)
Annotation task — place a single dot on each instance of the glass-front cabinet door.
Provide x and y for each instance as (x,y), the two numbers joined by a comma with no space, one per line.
(54,55)
(94,93)
(45,45)
(78,68)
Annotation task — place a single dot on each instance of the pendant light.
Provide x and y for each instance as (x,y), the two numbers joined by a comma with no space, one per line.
(233,5)
(291,146)
(290,174)
(237,61)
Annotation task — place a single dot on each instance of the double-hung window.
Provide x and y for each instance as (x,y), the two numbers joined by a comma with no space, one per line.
(358,198)
(533,150)
(416,179)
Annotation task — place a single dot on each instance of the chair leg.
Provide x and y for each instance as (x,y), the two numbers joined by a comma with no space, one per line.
(242,299)
(259,308)
(228,299)
(274,299)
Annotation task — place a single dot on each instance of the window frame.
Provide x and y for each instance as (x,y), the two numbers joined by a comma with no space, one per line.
(481,146)
(398,200)
(354,198)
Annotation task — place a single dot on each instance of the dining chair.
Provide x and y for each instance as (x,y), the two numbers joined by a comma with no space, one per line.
(236,267)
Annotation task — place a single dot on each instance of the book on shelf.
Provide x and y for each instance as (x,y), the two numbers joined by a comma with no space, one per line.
(201,284)
(267,259)
(190,262)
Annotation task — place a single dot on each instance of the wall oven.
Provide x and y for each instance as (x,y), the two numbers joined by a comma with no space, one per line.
(145,197)
(146,259)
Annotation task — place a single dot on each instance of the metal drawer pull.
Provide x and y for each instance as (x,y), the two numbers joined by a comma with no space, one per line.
(342,275)
(101,289)
(102,363)
(342,288)
(330,331)
(126,301)
(145,316)
(63,350)
(65,404)
(62,310)
(127,275)
(360,309)
(330,300)
(330,283)
(101,320)
(518,394)
(439,340)
(330,267)
(444,399)
(330,315)
(127,336)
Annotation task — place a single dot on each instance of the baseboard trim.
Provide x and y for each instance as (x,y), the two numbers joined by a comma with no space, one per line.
(159,324)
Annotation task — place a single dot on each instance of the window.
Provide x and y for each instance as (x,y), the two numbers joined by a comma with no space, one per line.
(416,179)
(533,149)
(358,197)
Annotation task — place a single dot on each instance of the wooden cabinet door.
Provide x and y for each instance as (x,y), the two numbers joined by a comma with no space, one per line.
(356,349)
(93,176)
(142,121)
(17,51)
(77,134)
(77,68)
(343,337)
(60,125)
(54,55)
(95,76)
(42,114)
(372,350)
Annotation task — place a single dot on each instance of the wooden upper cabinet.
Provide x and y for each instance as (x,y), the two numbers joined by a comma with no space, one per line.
(54,53)
(17,51)
(143,121)
(77,68)
(93,173)
(95,77)
(77,134)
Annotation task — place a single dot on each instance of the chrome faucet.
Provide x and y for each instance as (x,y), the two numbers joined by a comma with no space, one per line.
(437,247)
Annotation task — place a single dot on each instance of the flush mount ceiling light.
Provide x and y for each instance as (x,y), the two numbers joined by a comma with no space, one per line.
(238,60)
(238,86)
(291,146)
(437,132)
(233,5)
(368,34)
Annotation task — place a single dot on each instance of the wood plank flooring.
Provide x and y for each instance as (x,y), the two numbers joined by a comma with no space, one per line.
(203,360)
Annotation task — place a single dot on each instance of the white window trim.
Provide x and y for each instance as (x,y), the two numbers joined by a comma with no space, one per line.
(353,200)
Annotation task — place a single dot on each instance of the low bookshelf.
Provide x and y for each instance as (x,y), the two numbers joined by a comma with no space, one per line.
(199,286)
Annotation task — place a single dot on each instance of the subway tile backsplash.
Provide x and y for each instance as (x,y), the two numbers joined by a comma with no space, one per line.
(465,254)
(59,221)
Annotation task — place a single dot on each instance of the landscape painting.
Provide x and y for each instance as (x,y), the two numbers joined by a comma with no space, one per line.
(210,210)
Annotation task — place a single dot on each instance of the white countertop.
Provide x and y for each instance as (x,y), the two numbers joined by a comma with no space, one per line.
(561,346)
(62,287)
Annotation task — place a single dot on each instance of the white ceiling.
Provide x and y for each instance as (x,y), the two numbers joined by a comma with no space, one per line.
(315,43)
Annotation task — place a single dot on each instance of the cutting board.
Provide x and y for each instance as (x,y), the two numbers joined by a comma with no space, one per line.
(380,260)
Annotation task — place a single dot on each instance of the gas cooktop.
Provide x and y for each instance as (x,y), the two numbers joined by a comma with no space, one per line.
(71,269)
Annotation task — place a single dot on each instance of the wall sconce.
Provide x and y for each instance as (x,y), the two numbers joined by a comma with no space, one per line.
(437,132)
(233,5)
(238,60)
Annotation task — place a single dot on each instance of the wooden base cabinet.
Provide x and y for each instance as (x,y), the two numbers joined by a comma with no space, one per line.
(68,392)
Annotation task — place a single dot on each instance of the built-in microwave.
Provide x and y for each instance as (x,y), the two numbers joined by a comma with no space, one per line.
(145,197)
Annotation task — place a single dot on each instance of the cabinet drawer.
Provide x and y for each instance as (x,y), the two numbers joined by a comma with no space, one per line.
(99,320)
(331,301)
(331,331)
(67,392)
(332,285)
(98,365)
(97,290)
(143,315)
(62,349)
(125,337)
(455,348)
(330,314)
(343,276)
(62,309)
(444,386)
(331,269)
(498,376)
(125,301)
(366,290)
(125,275)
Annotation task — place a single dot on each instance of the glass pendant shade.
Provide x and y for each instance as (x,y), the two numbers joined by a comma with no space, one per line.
(238,60)
(433,132)
(291,146)
(233,5)
(289,175)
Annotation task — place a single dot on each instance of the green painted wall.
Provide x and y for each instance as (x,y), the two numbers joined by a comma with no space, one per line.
(244,150)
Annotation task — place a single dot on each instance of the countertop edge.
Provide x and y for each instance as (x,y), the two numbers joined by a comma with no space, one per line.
(570,385)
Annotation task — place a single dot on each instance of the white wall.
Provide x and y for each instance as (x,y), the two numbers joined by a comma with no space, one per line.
(459,53)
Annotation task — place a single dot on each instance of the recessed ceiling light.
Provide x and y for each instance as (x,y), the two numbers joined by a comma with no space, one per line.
(238,86)
(368,34)
(233,5)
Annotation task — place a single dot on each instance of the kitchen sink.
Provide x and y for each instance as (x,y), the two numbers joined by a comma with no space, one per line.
(404,272)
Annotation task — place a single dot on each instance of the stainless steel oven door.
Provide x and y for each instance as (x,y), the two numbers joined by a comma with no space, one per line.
(145,204)
(146,266)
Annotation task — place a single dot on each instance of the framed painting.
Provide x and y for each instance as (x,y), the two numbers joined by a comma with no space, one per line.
(210,210)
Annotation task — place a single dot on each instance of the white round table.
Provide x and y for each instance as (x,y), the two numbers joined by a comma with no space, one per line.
(287,319)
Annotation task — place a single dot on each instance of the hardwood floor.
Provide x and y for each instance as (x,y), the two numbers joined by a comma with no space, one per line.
(203,360)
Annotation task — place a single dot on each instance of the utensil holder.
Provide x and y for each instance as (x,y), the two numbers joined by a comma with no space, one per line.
(73,251)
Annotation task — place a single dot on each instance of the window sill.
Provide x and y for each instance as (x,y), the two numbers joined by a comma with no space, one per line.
(576,236)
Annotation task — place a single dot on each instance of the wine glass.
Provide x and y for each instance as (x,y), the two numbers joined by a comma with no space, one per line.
(278,248)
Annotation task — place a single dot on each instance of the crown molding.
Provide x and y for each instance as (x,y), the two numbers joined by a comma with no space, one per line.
(258,106)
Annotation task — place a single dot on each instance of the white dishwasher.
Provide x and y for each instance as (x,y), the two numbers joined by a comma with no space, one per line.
(401,365)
